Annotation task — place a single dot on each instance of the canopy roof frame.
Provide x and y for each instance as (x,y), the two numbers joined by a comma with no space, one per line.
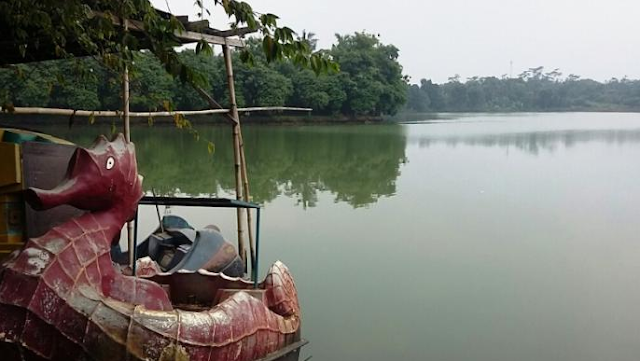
(194,32)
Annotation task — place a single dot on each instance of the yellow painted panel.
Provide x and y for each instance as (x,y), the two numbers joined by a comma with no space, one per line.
(10,167)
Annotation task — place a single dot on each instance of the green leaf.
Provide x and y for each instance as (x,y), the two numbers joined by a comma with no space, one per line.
(268,47)
(167,105)
(211,147)
(22,48)
(195,134)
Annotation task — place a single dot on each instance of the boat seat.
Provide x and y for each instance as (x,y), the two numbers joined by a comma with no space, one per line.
(187,249)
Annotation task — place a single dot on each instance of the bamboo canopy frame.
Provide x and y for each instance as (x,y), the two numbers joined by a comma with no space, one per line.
(224,38)
(194,32)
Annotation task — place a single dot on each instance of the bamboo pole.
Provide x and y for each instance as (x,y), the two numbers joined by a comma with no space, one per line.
(125,104)
(236,150)
(247,196)
(245,177)
(117,113)
(127,136)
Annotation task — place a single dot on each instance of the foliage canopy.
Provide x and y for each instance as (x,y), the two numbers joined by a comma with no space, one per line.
(370,83)
(533,90)
(47,29)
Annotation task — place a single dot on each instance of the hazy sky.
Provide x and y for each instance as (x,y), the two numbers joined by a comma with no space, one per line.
(437,39)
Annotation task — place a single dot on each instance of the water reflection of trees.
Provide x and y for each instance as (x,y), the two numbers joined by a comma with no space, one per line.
(356,164)
(534,142)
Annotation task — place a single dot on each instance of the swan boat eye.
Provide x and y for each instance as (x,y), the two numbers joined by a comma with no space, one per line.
(110,162)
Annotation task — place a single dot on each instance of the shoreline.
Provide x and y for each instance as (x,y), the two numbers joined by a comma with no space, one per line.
(17,120)
(6,119)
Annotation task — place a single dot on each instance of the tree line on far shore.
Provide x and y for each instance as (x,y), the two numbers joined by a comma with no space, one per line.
(370,82)
(533,90)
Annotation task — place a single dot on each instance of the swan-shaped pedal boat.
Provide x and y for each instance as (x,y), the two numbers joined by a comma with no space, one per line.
(62,298)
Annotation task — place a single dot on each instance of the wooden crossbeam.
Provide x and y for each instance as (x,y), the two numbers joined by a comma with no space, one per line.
(185,36)
(197,25)
(234,32)
(112,113)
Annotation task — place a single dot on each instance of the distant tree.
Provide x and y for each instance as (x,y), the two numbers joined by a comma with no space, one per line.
(456,95)
(80,92)
(310,39)
(184,96)
(417,99)
(475,97)
(553,75)
(371,83)
(533,90)
(454,79)
(35,85)
(434,92)
(262,86)
(150,84)
(372,79)
(573,77)
(537,73)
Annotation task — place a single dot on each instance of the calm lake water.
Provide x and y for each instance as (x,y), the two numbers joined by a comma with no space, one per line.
(479,238)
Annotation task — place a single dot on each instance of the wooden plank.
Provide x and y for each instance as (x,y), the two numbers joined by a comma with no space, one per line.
(197,25)
(184,36)
(182,18)
(234,32)
(167,15)
(192,37)
(187,36)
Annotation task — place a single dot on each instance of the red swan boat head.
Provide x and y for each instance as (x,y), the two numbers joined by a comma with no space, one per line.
(103,177)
